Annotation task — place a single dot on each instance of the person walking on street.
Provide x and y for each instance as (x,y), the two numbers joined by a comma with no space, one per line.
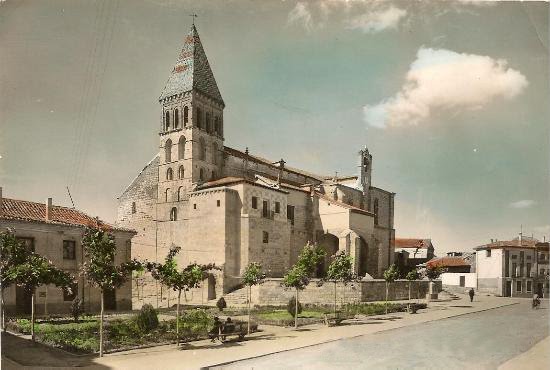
(471,293)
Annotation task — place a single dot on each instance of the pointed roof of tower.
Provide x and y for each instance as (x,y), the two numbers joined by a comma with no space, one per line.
(192,71)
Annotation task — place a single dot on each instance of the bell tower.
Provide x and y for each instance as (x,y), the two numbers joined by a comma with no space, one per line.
(191,124)
(365,169)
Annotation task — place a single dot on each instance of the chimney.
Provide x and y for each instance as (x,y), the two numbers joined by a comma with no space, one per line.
(49,210)
(1,202)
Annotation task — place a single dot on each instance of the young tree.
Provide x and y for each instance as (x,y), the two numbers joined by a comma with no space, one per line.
(34,272)
(299,275)
(340,270)
(390,275)
(411,276)
(252,275)
(100,269)
(179,280)
(434,271)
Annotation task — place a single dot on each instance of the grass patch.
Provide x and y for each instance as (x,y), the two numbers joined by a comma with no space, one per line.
(284,315)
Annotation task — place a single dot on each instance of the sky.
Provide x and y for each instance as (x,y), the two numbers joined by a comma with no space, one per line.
(451,98)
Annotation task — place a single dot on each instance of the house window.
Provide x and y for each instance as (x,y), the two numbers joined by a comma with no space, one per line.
(255,202)
(28,243)
(69,249)
(518,286)
(265,237)
(265,209)
(133,207)
(529,286)
(69,296)
(181,172)
(169,174)
(290,214)
(174,214)
(514,256)
(529,257)
(488,253)
(514,269)
(277,207)
(528,269)
(218,203)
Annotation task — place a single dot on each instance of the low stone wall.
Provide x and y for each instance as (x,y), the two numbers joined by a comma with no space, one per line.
(271,292)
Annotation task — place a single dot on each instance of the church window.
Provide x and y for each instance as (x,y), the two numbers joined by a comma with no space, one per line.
(168,151)
(376,211)
(181,147)
(290,213)
(201,174)
(265,209)
(199,118)
(194,205)
(167,195)
(208,127)
(216,125)
(167,121)
(185,116)
(202,149)
(265,237)
(180,193)
(218,203)
(254,202)
(176,118)
(181,172)
(169,174)
(214,153)
(174,214)
(133,207)
(277,207)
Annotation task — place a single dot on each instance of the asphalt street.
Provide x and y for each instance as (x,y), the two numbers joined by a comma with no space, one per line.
(480,340)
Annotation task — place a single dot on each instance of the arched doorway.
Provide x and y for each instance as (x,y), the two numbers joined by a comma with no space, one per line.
(363,248)
(329,243)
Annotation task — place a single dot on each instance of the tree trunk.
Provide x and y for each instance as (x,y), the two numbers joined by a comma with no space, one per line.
(296,311)
(249,299)
(2,311)
(178,319)
(386,297)
(101,324)
(335,300)
(32,317)
(409,303)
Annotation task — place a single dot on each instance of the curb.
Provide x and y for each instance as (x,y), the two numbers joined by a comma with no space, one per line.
(351,337)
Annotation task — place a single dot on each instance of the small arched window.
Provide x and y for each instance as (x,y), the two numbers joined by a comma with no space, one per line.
(181,147)
(133,207)
(214,153)
(217,125)
(208,126)
(167,195)
(185,116)
(167,120)
(181,173)
(176,118)
(169,174)
(174,214)
(199,118)
(202,149)
(180,193)
(201,174)
(168,151)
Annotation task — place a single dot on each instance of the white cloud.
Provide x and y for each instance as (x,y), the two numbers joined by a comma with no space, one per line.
(442,79)
(524,203)
(378,20)
(301,15)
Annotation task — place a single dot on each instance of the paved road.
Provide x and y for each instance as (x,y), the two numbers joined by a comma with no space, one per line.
(476,341)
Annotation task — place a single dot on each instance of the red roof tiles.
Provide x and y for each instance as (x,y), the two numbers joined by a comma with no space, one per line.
(448,262)
(412,243)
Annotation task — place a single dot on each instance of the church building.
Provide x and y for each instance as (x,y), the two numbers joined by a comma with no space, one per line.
(230,207)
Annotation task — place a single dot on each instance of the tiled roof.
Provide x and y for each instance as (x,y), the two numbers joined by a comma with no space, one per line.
(226,181)
(448,262)
(412,243)
(526,242)
(192,71)
(14,209)
(267,162)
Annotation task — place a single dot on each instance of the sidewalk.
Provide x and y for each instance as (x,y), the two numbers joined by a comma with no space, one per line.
(271,339)
(537,358)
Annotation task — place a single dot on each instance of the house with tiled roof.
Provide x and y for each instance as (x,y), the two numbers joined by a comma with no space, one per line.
(411,252)
(232,207)
(55,232)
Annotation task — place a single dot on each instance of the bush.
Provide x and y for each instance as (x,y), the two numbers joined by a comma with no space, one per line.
(291,307)
(76,309)
(147,319)
(221,304)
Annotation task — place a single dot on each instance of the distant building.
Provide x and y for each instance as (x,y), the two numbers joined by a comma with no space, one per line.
(409,253)
(56,232)
(513,268)
(451,263)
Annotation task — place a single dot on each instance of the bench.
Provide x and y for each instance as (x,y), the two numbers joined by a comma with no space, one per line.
(228,330)
(333,321)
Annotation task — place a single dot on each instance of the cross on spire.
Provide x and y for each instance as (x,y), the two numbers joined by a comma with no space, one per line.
(193,16)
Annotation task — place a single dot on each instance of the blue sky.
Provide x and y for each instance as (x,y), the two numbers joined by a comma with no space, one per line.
(450,97)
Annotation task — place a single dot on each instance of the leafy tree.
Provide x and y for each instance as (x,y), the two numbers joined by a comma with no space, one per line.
(411,276)
(340,270)
(182,280)
(390,275)
(299,275)
(252,275)
(100,269)
(434,271)
(12,253)
(34,272)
